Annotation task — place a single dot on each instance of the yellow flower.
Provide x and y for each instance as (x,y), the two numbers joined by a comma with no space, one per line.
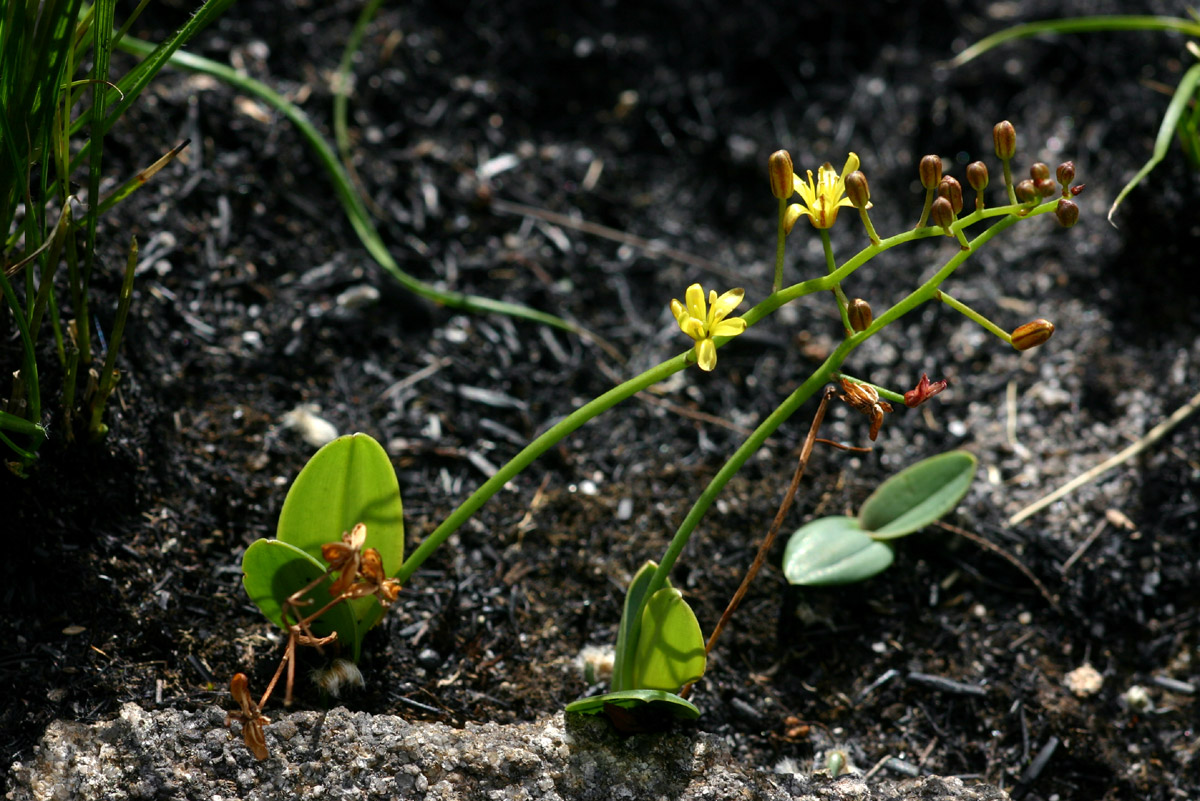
(702,324)
(823,197)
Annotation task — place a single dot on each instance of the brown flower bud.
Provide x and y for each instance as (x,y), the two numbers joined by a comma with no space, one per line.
(1026,191)
(942,213)
(1039,172)
(1004,135)
(1032,334)
(951,189)
(779,165)
(977,175)
(1065,173)
(858,190)
(1067,213)
(859,312)
(931,171)
(1046,187)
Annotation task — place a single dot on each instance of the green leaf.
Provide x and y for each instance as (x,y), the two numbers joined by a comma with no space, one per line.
(917,495)
(833,550)
(658,701)
(348,481)
(273,570)
(670,650)
(624,655)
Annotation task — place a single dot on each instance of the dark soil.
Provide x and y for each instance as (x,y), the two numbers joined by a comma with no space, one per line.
(245,248)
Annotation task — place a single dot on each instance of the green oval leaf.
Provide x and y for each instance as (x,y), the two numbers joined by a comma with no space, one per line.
(346,482)
(273,570)
(658,701)
(833,550)
(670,647)
(624,654)
(917,495)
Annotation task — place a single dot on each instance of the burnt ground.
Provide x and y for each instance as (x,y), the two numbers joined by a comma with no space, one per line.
(655,121)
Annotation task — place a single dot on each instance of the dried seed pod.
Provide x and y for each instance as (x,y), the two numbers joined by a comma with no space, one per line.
(942,213)
(859,312)
(1004,135)
(930,170)
(1026,191)
(1067,213)
(858,190)
(951,189)
(977,175)
(1032,334)
(1065,174)
(1039,172)
(779,165)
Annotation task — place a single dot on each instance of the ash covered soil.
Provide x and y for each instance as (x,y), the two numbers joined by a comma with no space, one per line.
(655,122)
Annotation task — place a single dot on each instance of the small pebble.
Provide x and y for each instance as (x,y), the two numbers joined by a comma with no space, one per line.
(316,431)
(1083,681)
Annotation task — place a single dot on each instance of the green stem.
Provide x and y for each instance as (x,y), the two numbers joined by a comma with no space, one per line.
(970,313)
(884,392)
(831,268)
(1008,181)
(780,243)
(532,451)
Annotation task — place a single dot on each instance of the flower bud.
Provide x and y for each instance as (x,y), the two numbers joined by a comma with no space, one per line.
(1004,135)
(1039,172)
(858,190)
(977,175)
(1032,334)
(1067,213)
(1065,173)
(779,165)
(951,189)
(1046,187)
(859,312)
(931,171)
(1026,191)
(942,213)
(790,216)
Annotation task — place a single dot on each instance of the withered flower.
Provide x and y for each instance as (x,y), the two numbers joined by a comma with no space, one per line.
(924,390)
(864,398)
(251,717)
(345,556)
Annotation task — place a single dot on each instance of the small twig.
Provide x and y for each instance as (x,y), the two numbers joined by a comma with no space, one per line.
(1151,437)
(1073,558)
(1014,561)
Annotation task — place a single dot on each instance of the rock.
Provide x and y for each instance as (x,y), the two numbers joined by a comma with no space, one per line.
(342,754)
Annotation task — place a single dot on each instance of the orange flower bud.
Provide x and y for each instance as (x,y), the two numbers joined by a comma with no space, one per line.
(1067,213)
(858,190)
(951,189)
(859,312)
(1026,191)
(977,175)
(1032,334)
(779,165)
(942,213)
(1004,135)
(930,170)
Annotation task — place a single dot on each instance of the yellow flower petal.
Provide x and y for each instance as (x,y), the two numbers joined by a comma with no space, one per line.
(852,164)
(692,327)
(706,354)
(725,304)
(695,301)
(728,328)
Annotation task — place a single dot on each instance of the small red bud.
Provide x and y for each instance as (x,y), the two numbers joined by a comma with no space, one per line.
(1045,187)
(1032,334)
(1004,135)
(1039,172)
(779,165)
(930,170)
(1026,191)
(1065,173)
(1076,190)
(924,390)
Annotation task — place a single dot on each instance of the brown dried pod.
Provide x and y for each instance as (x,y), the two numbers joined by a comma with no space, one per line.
(779,165)
(859,312)
(1004,135)
(1032,334)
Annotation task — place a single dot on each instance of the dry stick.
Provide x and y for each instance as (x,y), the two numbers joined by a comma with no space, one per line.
(1151,437)
(988,545)
(761,556)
